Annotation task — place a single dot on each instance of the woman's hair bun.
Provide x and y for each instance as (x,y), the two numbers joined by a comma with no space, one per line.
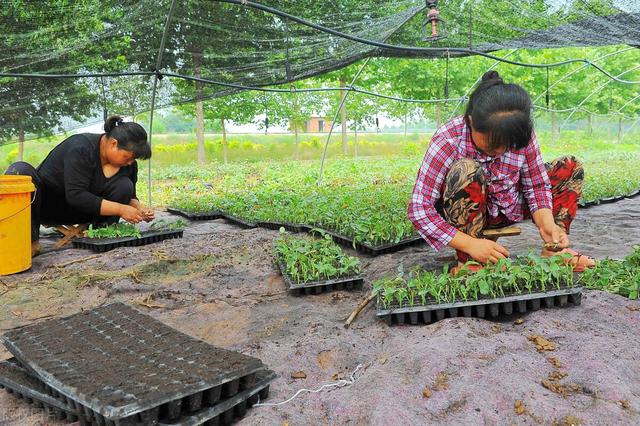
(112,122)
(492,75)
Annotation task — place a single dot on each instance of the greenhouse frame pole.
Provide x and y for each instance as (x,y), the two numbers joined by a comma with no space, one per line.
(156,77)
(335,117)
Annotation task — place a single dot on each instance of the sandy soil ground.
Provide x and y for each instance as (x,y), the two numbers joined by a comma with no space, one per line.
(218,283)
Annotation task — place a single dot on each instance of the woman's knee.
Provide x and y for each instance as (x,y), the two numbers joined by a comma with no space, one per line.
(21,168)
(463,172)
(570,164)
(120,190)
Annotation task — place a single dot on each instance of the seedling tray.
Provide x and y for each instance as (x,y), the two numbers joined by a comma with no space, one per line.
(389,248)
(240,222)
(124,365)
(484,308)
(372,250)
(317,287)
(106,244)
(195,216)
(608,200)
(225,412)
(291,227)
(17,380)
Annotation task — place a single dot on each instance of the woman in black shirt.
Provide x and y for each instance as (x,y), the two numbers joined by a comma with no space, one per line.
(89,178)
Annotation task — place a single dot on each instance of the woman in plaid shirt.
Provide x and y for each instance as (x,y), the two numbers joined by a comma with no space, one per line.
(484,169)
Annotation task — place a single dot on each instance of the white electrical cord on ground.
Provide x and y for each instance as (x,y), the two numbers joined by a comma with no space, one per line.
(340,383)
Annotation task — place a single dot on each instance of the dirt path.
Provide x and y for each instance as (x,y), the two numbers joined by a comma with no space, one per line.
(219,284)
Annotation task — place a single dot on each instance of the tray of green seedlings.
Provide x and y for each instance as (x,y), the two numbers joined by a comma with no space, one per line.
(242,223)
(211,215)
(370,249)
(291,227)
(127,235)
(313,265)
(509,286)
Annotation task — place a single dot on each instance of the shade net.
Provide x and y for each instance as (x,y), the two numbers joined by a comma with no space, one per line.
(106,54)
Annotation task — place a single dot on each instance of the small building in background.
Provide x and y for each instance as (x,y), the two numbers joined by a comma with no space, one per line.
(318,125)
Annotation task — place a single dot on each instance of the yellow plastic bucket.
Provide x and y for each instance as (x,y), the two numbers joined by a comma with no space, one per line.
(15,223)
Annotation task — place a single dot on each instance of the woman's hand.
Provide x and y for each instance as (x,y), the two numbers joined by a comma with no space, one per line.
(130,214)
(554,235)
(147,214)
(485,251)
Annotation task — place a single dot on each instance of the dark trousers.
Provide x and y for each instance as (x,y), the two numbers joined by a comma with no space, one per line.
(51,208)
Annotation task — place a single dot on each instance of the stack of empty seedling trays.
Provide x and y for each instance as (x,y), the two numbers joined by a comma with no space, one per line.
(116,366)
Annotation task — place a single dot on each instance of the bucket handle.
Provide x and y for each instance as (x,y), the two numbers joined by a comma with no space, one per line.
(22,209)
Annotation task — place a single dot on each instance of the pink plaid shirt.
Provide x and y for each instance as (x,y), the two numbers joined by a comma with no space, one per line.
(512,179)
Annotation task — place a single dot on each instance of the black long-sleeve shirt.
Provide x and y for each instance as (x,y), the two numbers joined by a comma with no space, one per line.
(73,170)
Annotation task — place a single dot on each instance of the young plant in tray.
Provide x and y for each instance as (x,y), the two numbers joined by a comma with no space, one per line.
(308,259)
(528,274)
(123,230)
(118,230)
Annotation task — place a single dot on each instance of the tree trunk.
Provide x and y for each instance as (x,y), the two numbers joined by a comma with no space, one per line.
(224,141)
(295,129)
(197,62)
(590,125)
(343,115)
(355,142)
(20,145)
(620,128)
(439,115)
(405,126)
(202,157)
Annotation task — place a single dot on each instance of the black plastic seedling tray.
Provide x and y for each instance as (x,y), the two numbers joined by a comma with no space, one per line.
(317,287)
(484,308)
(291,227)
(369,249)
(119,365)
(608,200)
(212,215)
(106,244)
(240,222)
(389,248)
(227,411)
(18,381)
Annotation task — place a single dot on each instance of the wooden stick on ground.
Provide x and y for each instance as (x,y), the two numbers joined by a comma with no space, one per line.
(356,311)
(82,259)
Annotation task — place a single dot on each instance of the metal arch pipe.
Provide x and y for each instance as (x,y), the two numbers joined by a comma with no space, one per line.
(597,90)
(629,129)
(335,117)
(569,74)
(381,45)
(154,93)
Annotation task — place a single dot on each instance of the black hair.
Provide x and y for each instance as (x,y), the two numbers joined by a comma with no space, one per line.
(502,111)
(130,136)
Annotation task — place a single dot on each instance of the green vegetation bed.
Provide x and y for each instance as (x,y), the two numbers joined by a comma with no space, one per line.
(364,200)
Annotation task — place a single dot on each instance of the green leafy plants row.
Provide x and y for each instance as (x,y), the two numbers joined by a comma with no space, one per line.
(615,276)
(308,259)
(525,274)
(365,199)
